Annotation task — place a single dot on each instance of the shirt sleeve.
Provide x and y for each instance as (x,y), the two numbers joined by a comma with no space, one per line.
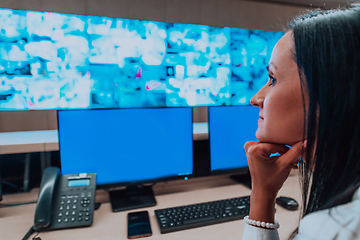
(339,223)
(256,233)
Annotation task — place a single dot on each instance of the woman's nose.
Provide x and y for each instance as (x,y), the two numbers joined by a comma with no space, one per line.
(257,100)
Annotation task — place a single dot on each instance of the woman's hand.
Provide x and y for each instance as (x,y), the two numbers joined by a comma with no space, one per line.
(268,175)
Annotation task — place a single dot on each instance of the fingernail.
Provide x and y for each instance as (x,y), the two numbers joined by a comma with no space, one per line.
(304,143)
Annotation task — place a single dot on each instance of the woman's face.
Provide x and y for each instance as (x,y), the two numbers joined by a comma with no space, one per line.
(280,100)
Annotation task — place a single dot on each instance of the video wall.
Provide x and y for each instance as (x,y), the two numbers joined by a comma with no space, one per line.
(64,61)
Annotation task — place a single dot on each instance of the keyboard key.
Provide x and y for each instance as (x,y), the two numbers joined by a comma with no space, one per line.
(197,220)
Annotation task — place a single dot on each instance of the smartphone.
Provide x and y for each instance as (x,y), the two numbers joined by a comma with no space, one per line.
(139,225)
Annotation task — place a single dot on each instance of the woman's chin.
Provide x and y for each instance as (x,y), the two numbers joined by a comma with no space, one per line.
(282,141)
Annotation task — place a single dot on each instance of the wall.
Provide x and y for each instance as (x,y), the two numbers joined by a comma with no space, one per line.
(221,13)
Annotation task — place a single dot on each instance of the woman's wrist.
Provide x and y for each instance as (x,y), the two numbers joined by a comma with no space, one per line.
(249,221)
(262,206)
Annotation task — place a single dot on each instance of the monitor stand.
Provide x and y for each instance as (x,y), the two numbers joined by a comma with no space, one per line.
(244,179)
(132,197)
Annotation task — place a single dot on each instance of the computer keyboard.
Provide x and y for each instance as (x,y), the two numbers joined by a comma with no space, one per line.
(202,214)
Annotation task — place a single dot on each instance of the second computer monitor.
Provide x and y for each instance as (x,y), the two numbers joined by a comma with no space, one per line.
(230,127)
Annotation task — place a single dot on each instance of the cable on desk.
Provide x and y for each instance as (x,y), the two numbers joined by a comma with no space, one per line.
(9,185)
(36,236)
(28,234)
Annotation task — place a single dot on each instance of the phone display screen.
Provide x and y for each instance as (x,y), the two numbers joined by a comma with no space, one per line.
(139,225)
(79,182)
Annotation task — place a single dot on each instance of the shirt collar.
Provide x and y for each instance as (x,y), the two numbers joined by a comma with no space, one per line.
(356,194)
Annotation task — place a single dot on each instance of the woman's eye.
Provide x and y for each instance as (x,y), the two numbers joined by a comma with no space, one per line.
(272,81)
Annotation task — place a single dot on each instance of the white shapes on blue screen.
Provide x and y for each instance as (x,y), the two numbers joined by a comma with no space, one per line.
(43,49)
(100,62)
(99,25)
(153,46)
(44,93)
(103,51)
(204,49)
(222,75)
(35,69)
(175,83)
(76,49)
(180,71)
(9,25)
(12,52)
(243,100)
(13,92)
(42,24)
(162,33)
(251,50)
(154,85)
(75,24)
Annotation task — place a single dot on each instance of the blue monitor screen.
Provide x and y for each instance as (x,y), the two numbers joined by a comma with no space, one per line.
(230,127)
(198,64)
(65,61)
(250,54)
(126,145)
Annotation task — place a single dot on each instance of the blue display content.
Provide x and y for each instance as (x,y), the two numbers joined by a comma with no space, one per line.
(230,127)
(79,182)
(66,61)
(250,54)
(126,145)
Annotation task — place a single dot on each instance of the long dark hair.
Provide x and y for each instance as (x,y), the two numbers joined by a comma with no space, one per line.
(327,52)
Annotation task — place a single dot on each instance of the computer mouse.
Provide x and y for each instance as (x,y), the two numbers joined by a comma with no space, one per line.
(287,203)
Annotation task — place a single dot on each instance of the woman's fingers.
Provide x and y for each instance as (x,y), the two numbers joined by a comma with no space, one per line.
(264,149)
(291,157)
(288,155)
(269,172)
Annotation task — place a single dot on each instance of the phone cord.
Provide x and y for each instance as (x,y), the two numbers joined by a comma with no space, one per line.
(28,234)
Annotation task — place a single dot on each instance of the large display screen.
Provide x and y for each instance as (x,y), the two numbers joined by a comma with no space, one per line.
(230,127)
(65,61)
(124,146)
(198,65)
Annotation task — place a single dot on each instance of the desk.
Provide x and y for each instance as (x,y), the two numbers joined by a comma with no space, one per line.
(16,221)
(27,142)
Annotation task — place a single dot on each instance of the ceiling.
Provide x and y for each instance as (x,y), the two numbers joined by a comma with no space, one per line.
(312,3)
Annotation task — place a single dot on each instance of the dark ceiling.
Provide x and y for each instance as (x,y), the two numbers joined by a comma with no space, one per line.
(312,3)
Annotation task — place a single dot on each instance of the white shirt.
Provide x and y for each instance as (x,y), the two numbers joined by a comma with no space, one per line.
(338,223)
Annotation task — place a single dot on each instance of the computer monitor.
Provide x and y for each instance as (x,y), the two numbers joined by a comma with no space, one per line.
(69,61)
(127,147)
(230,127)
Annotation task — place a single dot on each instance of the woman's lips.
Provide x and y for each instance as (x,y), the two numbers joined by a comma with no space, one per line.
(260,118)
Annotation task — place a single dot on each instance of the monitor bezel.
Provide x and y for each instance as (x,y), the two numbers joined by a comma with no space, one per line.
(233,171)
(145,182)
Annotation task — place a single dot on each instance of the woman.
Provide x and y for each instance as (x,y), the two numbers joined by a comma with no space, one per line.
(312,103)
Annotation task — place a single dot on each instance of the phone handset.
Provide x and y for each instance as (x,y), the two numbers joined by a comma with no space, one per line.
(65,201)
(43,212)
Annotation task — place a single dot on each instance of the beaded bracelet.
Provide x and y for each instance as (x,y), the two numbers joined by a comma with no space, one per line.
(275,225)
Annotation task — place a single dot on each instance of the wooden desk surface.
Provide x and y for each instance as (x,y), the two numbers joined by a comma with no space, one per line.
(29,141)
(16,221)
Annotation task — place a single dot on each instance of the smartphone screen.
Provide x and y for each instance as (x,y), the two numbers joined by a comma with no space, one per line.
(139,225)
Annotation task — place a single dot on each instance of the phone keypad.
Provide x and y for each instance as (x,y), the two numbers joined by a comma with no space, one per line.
(75,208)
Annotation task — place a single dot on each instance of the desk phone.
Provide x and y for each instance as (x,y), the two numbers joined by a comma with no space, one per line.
(65,201)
